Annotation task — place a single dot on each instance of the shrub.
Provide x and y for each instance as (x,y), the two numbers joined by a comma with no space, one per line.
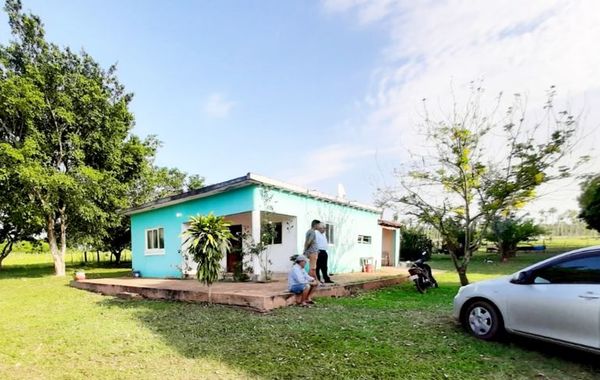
(414,242)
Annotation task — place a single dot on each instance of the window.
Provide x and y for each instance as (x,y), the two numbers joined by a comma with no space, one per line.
(329,233)
(155,241)
(364,239)
(277,231)
(584,270)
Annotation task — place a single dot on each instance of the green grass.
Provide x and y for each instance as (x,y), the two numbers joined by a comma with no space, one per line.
(49,330)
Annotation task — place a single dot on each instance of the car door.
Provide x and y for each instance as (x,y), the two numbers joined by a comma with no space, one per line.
(562,301)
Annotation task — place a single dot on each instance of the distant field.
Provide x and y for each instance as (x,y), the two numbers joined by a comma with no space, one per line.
(73,258)
(568,242)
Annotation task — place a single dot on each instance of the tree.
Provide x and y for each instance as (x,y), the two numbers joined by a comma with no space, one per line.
(589,202)
(477,165)
(507,232)
(414,242)
(65,121)
(153,183)
(208,240)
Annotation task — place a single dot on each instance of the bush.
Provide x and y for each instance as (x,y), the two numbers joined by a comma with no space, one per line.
(414,243)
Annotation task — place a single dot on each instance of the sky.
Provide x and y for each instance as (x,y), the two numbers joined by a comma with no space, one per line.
(318,93)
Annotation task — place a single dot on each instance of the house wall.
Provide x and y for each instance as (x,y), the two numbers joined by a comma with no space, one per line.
(345,253)
(279,254)
(172,218)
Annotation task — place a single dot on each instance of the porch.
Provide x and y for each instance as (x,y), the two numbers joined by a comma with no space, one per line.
(261,297)
(246,227)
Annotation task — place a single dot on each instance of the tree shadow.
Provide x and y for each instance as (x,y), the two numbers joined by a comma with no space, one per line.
(330,341)
(243,339)
(93,270)
(26,271)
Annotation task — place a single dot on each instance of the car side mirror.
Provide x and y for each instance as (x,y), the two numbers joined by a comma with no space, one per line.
(522,278)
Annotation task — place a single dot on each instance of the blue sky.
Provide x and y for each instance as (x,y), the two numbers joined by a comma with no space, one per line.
(324,92)
(228,86)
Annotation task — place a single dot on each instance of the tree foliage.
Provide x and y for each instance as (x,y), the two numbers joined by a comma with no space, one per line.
(479,164)
(153,183)
(18,222)
(414,242)
(589,202)
(507,232)
(65,124)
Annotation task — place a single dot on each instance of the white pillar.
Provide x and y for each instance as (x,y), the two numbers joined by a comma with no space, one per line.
(256,237)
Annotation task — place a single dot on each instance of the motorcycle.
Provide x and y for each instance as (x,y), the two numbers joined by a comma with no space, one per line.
(421,274)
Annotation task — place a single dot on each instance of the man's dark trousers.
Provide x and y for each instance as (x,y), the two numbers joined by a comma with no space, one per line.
(322,266)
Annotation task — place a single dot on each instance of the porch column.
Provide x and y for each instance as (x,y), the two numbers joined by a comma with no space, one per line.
(397,243)
(255,230)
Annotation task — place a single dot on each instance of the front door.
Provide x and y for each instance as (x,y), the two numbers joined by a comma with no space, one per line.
(563,303)
(235,254)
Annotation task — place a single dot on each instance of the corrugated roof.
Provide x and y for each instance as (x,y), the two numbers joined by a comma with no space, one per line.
(248,179)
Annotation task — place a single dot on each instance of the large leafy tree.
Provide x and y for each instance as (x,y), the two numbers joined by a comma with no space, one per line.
(589,201)
(478,164)
(66,123)
(18,222)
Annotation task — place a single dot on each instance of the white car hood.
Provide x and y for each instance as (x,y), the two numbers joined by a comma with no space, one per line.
(492,286)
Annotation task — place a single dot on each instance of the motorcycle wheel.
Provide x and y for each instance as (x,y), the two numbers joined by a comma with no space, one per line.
(420,285)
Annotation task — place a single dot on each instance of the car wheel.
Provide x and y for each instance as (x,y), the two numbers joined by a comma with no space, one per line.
(483,320)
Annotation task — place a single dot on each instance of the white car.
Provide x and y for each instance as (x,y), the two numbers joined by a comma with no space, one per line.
(557,300)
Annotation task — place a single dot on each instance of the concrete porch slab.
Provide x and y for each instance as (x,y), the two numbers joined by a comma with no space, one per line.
(261,297)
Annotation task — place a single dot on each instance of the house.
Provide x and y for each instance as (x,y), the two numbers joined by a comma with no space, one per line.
(354,230)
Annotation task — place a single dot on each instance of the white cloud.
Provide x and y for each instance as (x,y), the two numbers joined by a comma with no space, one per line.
(514,46)
(328,162)
(217,106)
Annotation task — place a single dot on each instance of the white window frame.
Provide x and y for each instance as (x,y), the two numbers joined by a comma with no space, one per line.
(153,251)
(328,227)
(362,239)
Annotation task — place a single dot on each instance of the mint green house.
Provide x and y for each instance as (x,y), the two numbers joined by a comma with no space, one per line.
(355,231)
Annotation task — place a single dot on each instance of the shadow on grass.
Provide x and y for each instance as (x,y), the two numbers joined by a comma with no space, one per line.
(46,269)
(26,271)
(556,351)
(355,337)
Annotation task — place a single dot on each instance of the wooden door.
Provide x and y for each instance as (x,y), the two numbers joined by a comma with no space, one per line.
(235,254)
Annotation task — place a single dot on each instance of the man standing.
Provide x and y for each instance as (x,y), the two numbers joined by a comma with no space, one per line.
(322,245)
(301,283)
(310,248)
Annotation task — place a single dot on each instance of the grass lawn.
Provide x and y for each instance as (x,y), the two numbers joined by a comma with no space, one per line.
(49,330)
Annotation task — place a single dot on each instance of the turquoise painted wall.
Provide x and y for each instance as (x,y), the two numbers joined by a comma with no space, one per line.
(171,218)
(345,254)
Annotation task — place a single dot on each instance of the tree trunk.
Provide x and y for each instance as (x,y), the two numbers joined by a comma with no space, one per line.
(63,244)
(57,255)
(85,256)
(6,250)
(210,293)
(117,256)
(98,256)
(462,275)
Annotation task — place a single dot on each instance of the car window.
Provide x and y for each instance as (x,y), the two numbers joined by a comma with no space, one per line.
(585,270)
